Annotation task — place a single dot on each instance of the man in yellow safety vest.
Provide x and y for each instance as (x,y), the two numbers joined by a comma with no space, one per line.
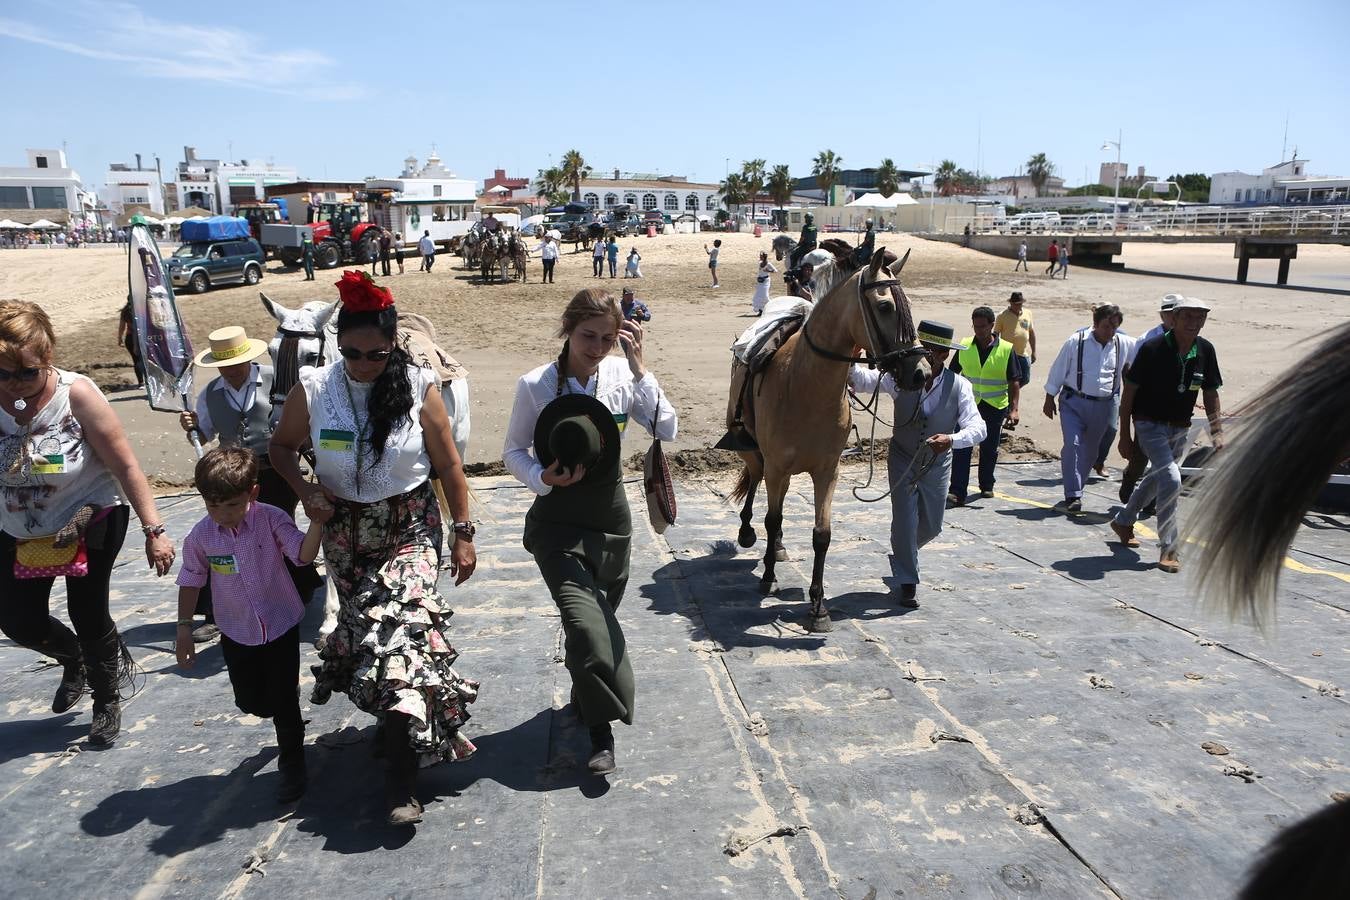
(991,367)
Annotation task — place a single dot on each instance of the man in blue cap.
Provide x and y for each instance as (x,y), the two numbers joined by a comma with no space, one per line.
(929,423)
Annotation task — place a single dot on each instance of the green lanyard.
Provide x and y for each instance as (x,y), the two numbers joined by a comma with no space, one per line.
(361,433)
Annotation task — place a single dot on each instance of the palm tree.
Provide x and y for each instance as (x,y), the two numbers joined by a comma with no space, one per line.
(548,182)
(574,171)
(780,186)
(753,173)
(947,178)
(826,170)
(1039,169)
(733,189)
(888,177)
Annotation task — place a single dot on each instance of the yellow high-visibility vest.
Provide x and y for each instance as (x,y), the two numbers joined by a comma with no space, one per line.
(990,379)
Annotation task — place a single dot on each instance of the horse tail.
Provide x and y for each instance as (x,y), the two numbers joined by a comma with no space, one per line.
(744,485)
(1251,504)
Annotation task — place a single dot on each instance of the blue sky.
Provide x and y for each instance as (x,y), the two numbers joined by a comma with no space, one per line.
(345,90)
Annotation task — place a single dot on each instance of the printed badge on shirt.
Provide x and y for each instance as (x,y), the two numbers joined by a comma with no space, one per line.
(223,565)
(49,464)
(335,439)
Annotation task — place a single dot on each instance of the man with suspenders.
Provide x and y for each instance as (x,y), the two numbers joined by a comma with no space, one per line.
(1085,377)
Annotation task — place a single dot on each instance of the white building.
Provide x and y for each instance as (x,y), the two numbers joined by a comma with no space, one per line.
(1020,186)
(669,193)
(46,188)
(125,186)
(1287,182)
(428,198)
(221,186)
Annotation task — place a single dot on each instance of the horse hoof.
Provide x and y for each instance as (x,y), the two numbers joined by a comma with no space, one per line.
(820,624)
(747,536)
(781,554)
(767,587)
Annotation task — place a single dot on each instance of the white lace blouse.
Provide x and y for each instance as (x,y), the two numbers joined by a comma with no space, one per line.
(339,431)
(640,401)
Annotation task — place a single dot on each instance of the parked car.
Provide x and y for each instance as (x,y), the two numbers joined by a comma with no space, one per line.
(624,225)
(656,219)
(1095,222)
(1026,223)
(201,265)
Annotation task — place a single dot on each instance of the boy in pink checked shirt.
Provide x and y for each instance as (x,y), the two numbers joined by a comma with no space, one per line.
(239,547)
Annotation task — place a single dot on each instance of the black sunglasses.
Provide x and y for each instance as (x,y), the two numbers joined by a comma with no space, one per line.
(371,355)
(29,374)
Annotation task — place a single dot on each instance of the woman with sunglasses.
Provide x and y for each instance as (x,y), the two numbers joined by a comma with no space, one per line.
(379,428)
(66,470)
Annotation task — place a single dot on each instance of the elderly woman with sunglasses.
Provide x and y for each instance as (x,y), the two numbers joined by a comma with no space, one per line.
(378,428)
(66,475)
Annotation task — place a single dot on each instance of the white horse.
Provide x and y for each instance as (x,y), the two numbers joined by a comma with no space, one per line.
(308,337)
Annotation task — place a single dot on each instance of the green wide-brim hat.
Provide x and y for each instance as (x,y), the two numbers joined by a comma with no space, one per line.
(577,429)
(939,334)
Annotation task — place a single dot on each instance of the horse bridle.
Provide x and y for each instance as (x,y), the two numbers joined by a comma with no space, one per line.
(282,382)
(886,362)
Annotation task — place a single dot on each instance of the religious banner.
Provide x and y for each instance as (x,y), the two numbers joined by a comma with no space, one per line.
(164,343)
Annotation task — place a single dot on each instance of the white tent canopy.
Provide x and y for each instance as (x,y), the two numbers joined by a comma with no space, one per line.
(876,201)
(10,223)
(44,223)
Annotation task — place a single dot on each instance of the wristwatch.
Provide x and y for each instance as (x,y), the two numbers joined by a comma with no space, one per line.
(465,530)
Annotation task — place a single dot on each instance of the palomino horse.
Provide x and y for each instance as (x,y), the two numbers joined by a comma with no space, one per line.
(802,417)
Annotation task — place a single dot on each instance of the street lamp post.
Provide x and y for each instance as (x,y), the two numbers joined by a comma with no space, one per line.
(1107,145)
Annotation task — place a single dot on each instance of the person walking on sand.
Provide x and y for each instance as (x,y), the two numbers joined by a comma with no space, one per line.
(1053,257)
(1022,257)
(633,269)
(712,259)
(598,258)
(126,336)
(548,253)
(398,250)
(763,283)
(1064,261)
(307,254)
(427,247)
(1155,420)
(612,255)
(386,245)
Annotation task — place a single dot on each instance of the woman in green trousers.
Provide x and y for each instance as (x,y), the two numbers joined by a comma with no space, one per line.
(563,443)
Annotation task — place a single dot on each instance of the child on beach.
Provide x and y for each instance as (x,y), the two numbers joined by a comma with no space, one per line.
(632,270)
(239,547)
(712,259)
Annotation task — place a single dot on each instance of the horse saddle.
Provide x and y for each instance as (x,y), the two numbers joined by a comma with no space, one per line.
(418,337)
(756,358)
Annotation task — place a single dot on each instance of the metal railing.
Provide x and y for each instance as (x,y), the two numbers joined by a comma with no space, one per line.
(1200,221)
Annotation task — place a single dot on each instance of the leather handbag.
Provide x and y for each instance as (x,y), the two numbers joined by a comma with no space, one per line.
(661,507)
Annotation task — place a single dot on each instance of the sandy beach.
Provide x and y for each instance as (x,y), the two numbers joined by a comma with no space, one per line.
(501,330)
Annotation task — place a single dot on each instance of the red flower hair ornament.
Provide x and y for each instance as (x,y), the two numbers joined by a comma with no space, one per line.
(360,293)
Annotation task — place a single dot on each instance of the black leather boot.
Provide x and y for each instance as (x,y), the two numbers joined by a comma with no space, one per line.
(104,661)
(62,646)
(291,762)
(400,789)
(602,750)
